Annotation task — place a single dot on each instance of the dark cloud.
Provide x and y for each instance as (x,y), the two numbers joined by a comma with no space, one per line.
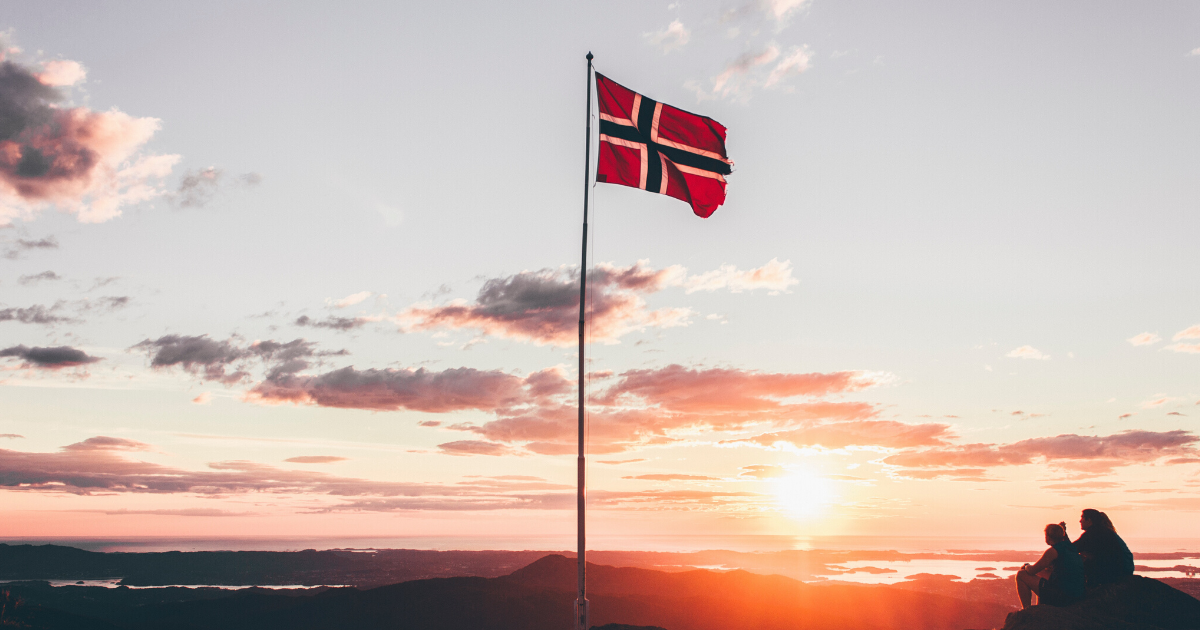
(315,459)
(23,245)
(45,276)
(543,306)
(198,355)
(49,358)
(333,323)
(227,361)
(390,389)
(106,303)
(36,314)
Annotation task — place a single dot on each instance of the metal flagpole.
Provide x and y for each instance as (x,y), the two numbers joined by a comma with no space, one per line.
(581,602)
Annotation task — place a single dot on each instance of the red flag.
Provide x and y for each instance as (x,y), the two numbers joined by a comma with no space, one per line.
(653,146)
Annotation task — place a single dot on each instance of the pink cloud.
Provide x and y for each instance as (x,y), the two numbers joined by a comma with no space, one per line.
(645,407)
(476,447)
(1075,452)
(61,73)
(774,276)
(1144,339)
(719,390)
(1189,348)
(105,471)
(315,459)
(797,61)
(81,161)
(954,474)
(763,472)
(1027,352)
(887,434)
(104,443)
(1191,332)
(672,477)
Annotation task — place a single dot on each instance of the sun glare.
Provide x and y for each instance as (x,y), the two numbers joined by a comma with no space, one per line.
(803,495)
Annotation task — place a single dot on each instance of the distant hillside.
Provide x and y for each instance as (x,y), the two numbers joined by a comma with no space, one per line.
(536,597)
(240,568)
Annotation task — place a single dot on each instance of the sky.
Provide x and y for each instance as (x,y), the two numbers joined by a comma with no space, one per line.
(306,269)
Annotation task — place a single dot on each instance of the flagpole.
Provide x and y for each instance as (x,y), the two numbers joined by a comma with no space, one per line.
(581,602)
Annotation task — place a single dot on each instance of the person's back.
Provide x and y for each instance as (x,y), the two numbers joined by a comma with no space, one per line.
(1108,558)
(1068,575)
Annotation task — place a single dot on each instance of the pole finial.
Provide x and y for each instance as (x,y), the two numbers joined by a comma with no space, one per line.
(589,55)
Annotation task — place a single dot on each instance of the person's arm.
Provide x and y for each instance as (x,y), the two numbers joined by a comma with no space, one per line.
(1044,563)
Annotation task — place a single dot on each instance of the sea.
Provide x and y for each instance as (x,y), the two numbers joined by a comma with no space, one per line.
(940,555)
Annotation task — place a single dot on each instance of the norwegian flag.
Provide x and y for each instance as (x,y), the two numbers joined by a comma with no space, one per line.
(653,146)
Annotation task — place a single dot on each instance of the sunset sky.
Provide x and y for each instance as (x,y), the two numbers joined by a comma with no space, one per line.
(310,269)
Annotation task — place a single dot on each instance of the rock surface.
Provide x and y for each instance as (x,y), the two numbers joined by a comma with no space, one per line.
(1138,603)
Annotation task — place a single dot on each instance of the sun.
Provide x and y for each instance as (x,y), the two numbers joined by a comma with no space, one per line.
(803,495)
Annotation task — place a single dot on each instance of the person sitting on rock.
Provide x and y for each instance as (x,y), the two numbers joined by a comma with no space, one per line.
(1065,585)
(1106,558)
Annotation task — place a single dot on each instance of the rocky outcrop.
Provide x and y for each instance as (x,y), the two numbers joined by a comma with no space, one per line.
(1138,603)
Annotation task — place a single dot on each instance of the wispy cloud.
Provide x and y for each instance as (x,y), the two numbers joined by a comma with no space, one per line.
(88,471)
(36,314)
(766,67)
(45,276)
(227,361)
(200,187)
(350,300)
(1027,352)
(1068,451)
(1144,339)
(1191,332)
(315,459)
(335,323)
(775,277)
(673,37)
(22,245)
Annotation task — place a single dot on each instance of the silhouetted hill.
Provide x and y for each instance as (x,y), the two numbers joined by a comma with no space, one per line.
(1138,603)
(535,597)
(238,568)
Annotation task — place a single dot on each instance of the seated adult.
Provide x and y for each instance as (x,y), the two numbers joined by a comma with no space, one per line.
(1106,558)
(1065,584)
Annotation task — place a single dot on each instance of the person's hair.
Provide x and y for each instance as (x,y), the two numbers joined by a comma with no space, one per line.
(1056,532)
(1099,520)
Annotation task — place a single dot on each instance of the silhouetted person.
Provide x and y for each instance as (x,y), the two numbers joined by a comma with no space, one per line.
(1106,558)
(1065,584)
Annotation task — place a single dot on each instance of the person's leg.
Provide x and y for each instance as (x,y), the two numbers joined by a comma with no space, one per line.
(1027,585)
